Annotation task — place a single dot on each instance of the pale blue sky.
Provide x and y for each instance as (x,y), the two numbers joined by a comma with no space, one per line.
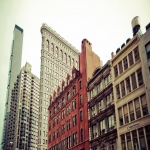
(105,23)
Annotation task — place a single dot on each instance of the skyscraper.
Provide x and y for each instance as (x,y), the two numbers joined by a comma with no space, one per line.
(57,59)
(14,69)
(23,132)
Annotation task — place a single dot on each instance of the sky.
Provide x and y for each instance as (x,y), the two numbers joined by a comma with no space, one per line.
(105,23)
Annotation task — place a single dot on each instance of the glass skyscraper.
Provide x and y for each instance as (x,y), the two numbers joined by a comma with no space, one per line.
(14,69)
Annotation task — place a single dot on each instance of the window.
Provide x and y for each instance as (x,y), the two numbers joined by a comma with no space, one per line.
(142,139)
(126,119)
(123,89)
(120,67)
(123,145)
(68,124)
(68,142)
(111,122)
(68,110)
(74,90)
(63,114)
(58,105)
(100,105)
(69,60)
(80,85)
(131,110)
(93,111)
(140,78)
(134,85)
(74,120)
(56,52)
(102,127)
(106,80)
(65,58)
(118,92)
(147,47)
(116,71)
(130,58)
(75,139)
(61,54)
(109,99)
(129,143)
(94,131)
(136,54)
(137,108)
(144,105)
(52,47)
(147,130)
(63,101)
(128,86)
(81,115)
(135,140)
(81,102)
(82,136)
(120,116)
(63,128)
(68,95)
(47,45)
(125,62)
(74,105)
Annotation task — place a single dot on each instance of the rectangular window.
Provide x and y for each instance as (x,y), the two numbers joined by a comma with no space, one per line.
(63,101)
(135,140)
(111,122)
(102,127)
(126,119)
(137,108)
(136,54)
(109,99)
(147,47)
(75,139)
(123,89)
(100,106)
(81,102)
(128,86)
(131,110)
(94,131)
(116,71)
(118,92)
(125,62)
(129,143)
(123,145)
(134,85)
(93,110)
(74,105)
(80,85)
(120,116)
(82,136)
(142,139)
(144,104)
(147,130)
(120,67)
(140,78)
(81,115)
(130,58)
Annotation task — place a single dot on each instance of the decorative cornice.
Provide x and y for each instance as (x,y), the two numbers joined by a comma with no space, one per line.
(45,26)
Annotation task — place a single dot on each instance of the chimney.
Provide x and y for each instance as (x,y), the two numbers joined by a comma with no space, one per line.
(112,55)
(135,25)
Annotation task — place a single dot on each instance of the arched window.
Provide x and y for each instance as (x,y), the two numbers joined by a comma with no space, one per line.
(56,54)
(65,57)
(47,45)
(61,54)
(76,64)
(69,60)
(52,48)
(72,61)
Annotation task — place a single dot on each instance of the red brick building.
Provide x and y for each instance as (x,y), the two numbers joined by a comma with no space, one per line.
(68,110)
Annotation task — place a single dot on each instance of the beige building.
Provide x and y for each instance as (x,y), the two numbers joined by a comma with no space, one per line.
(131,86)
(57,59)
(22,130)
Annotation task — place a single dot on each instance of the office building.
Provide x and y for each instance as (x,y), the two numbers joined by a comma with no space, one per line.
(131,87)
(14,69)
(22,131)
(68,109)
(101,108)
(57,59)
